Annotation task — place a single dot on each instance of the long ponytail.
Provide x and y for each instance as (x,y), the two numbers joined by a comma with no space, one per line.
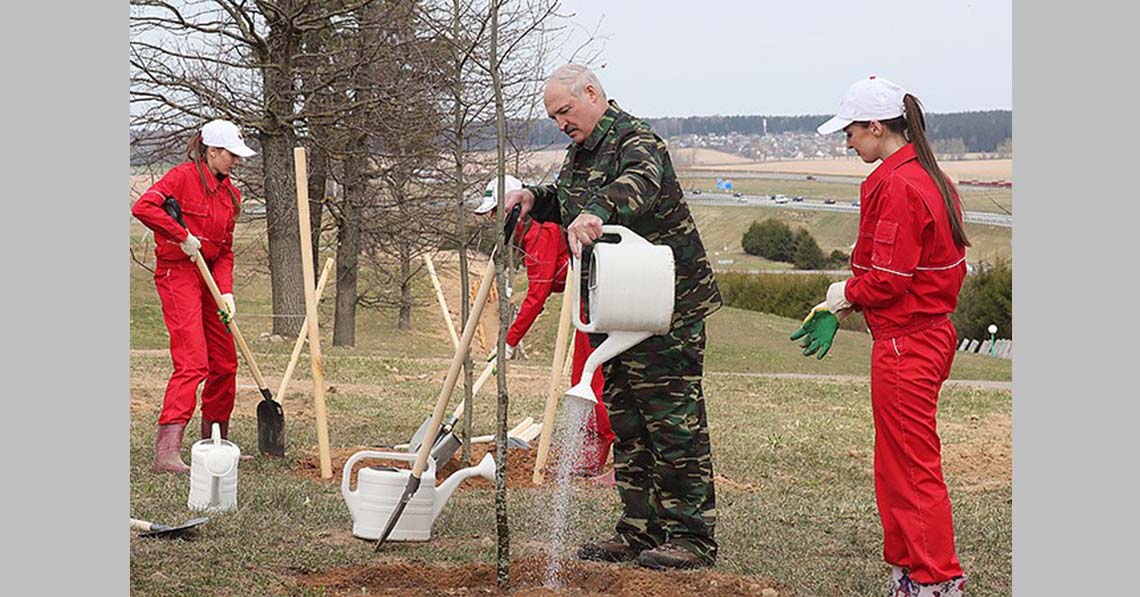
(196,152)
(916,134)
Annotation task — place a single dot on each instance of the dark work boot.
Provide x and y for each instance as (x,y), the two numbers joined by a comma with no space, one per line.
(167,444)
(224,428)
(613,549)
(671,555)
(207,428)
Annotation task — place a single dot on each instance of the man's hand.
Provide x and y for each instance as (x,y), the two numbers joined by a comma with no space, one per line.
(191,245)
(523,196)
(584,230)
(508,352)
(228,299)
(819,327)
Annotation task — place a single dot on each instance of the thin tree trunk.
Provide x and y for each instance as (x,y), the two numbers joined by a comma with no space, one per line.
(461,233)
(501,524)
(405,285)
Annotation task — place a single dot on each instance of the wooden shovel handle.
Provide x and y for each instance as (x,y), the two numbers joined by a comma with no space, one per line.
(242,346)
(453,371)
(141,525)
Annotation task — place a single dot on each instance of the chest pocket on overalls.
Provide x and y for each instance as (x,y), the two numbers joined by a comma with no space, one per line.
(886,231)
(194,206)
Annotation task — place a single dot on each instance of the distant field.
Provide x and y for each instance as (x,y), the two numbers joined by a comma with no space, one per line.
(721,162)
(721,228)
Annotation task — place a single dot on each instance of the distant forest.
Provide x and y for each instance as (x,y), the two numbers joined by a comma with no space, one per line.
(980,131)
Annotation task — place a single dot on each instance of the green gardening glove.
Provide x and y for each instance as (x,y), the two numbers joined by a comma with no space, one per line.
(818,331)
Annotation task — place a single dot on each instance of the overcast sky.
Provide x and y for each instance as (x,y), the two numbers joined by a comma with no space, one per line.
(704,57)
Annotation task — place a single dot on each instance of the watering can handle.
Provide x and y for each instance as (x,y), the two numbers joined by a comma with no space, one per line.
(626,236)
(576,301)
(346,475)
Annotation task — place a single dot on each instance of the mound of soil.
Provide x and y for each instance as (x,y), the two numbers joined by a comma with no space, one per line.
(520,465)
(528,577)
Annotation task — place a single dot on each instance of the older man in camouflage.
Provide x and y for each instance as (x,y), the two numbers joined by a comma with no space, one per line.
(617,171)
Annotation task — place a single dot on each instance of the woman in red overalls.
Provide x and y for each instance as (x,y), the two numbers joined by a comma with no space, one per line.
(201,347)
(908,264)
(546,258)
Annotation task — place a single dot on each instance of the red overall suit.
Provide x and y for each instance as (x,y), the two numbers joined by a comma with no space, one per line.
(907,275)
(546,260)
(201,347)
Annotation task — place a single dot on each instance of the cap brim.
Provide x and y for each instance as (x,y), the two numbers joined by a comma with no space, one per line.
(485,206)
(835,124)
(241,150)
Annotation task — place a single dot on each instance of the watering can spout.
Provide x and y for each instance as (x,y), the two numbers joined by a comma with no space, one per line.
(614,344)
(582,391)
(485,469)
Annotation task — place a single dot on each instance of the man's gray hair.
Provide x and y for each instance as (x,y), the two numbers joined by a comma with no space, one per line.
(575,77)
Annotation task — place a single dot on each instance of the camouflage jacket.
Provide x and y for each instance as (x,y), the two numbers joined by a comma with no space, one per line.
(622,173)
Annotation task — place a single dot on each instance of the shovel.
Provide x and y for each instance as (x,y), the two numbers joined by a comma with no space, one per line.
(151,529)
(270,416)
(449,383)
(445,430)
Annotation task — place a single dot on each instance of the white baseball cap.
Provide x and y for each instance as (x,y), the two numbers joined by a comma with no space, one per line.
(225,134)
(491,195)
(873,98)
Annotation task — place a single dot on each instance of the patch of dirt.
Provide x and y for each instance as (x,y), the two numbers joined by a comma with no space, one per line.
(520,465)
(985,458)
(723,481)
(527,580)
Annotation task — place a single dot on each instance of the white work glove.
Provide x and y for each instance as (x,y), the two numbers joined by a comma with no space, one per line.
(191,245)
(509,352)
(836,297)
(228,299)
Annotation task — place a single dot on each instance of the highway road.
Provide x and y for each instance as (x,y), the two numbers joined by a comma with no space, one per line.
(853,180)
(726,199)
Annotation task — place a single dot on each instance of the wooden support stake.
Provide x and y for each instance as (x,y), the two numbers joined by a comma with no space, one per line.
(552,390)
(442,301)
(311,310)
(304,334)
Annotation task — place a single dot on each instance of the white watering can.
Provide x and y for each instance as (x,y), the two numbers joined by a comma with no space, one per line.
(214,473)
(379,490)
(631,285)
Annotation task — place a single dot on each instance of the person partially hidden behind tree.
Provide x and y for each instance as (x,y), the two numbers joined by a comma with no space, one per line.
(546,257)
(618,171)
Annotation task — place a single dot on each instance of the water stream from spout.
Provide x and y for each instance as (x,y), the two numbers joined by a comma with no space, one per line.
(569,436)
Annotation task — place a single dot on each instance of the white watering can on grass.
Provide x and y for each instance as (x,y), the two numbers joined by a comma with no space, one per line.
(379,489)
(214,473)
(631,284)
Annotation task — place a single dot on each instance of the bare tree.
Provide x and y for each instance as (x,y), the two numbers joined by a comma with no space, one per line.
(199,59)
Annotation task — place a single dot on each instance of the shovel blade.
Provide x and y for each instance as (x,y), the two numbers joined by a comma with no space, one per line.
(418,436)
(409,491)
(270,428)
(445,449)
(158,530)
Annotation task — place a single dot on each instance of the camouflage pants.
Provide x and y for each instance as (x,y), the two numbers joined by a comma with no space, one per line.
(662,457)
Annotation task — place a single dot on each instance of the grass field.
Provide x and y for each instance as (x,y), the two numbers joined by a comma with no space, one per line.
(723,226)
(791,437)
